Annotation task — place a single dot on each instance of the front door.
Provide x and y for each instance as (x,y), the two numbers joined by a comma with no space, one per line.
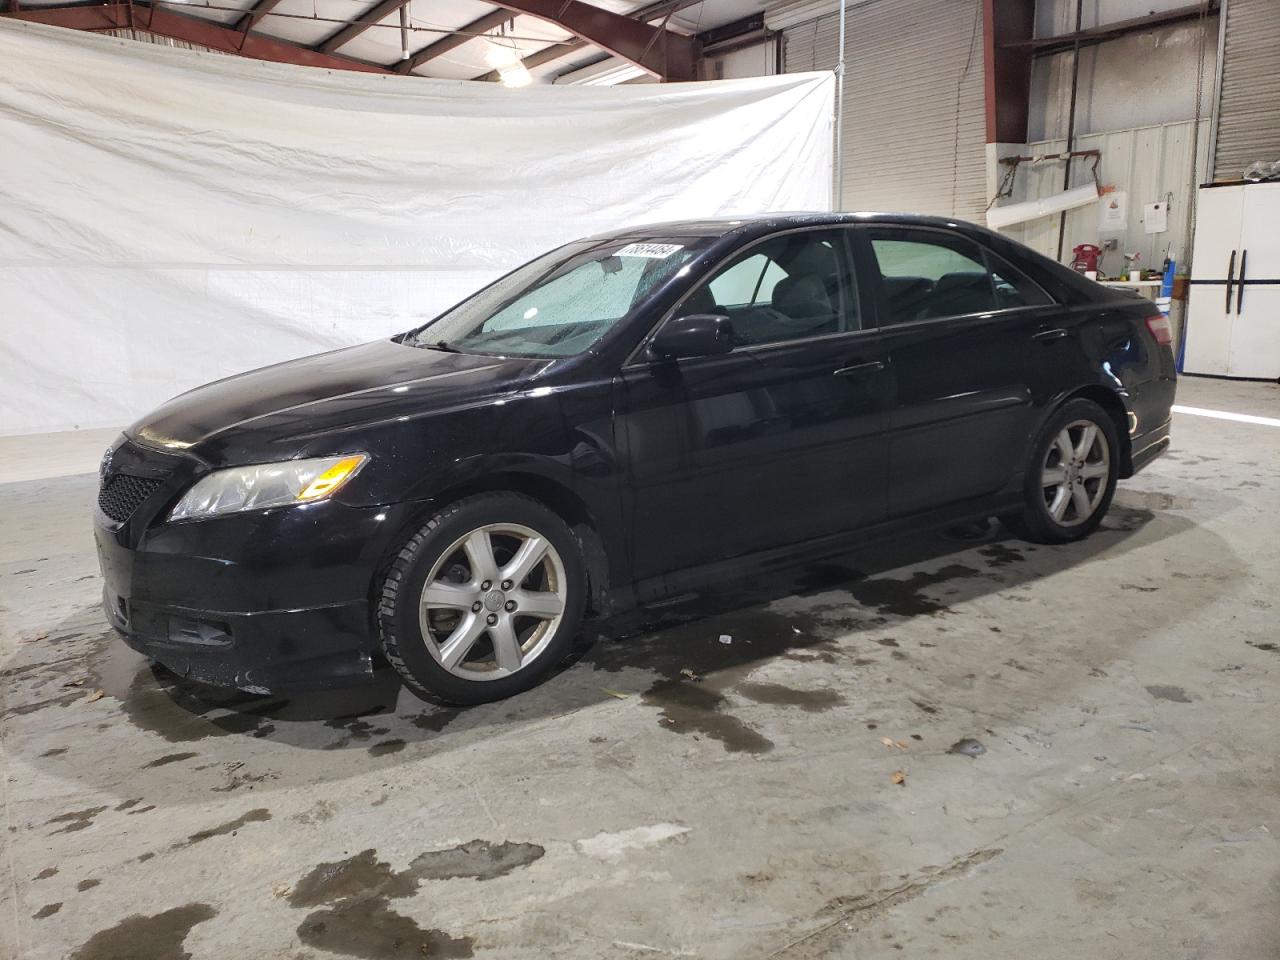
(960,328)
(778,442)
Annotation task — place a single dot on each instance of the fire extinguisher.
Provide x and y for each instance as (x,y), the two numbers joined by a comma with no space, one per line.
(1086,258)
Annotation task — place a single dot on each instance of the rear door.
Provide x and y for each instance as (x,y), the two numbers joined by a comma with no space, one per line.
(963,331)
(779,441)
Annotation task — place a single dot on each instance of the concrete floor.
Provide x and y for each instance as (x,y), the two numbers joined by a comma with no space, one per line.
(1124,799)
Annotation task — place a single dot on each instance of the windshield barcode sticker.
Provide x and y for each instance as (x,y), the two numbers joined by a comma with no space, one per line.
(653,251)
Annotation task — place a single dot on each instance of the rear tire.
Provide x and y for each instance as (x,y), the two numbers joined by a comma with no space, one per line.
(1070,477)
(484,601)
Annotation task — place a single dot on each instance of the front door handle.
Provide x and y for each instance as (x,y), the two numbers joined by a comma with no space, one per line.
(1244,256)
(871,366)
(1045,336)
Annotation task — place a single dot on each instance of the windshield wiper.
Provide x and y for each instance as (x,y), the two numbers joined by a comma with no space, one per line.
(442,346)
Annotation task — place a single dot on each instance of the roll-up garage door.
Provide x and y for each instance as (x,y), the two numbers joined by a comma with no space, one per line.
(914,121)
(1249,111)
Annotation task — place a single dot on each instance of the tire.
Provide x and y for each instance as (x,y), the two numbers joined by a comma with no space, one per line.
(1088,477)
(447,650)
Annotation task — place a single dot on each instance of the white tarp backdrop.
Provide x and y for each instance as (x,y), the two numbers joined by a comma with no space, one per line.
(170,217)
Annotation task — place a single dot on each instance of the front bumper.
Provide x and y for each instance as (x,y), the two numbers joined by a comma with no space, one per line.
(265,601)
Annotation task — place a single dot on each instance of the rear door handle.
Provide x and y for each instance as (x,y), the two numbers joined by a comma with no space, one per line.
(1244,256)
(871,366)
(1044,336)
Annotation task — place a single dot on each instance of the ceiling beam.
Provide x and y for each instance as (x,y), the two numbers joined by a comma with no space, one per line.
(655,49)
(344,35)
(490,21)
(1120,28)
(646,14)
(255,14)
(204,33)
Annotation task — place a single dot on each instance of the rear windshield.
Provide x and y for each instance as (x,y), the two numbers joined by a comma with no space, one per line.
(564,301)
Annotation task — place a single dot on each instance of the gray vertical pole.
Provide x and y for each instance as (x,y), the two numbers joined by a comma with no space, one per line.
(840,115)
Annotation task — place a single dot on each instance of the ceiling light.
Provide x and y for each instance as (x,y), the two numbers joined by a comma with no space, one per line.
(515,75)
(505,58)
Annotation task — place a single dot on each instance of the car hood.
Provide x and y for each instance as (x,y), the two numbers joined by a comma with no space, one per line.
(358,386)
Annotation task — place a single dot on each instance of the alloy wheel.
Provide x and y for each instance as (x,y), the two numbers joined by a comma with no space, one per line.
(1075,473)
(493,601)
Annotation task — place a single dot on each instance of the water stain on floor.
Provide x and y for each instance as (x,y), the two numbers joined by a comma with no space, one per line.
(75,820)
(1164,692)
(157,937)
(170,758)
(231,826)
(355,897)
(479,860)
(695,709)
(1001,555)
(780,695)
(362,875)
(906,598)
(369,928)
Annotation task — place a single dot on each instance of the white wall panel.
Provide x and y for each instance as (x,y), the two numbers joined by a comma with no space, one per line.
(1143,78)
(1150,164)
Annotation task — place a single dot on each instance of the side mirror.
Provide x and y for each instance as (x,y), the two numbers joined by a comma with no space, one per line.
(695,335)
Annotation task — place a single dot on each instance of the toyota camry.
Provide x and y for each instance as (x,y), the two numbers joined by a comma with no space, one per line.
(624,419)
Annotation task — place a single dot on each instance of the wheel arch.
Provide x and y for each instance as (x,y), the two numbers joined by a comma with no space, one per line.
(556,497)
(1111,402)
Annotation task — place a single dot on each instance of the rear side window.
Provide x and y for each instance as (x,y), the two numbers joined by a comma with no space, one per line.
(929,274)
(1013,288)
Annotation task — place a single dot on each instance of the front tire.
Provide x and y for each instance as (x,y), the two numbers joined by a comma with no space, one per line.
(1071,476)
(484,601)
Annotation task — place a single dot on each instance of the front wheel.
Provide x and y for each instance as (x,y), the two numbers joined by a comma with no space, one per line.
(1071,476)
(483,601)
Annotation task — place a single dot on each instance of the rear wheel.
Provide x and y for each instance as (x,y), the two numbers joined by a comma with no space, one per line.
(484,601)
(1071,477)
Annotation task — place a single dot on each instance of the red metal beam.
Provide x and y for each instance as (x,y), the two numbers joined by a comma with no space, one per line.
(192,30)
(656,50)
(653,11)
(1007,67)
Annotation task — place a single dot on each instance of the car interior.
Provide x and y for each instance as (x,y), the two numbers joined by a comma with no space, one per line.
(806,300)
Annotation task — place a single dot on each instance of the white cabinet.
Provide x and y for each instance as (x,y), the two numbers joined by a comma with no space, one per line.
(1233,318)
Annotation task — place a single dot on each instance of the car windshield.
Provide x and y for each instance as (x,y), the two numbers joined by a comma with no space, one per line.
(562,302)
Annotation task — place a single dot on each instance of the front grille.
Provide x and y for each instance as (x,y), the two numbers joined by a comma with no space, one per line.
(122,494)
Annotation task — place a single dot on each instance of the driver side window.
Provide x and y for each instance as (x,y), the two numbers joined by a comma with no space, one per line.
(789,287)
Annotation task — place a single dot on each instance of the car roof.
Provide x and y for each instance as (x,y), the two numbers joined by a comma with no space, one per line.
(762,223)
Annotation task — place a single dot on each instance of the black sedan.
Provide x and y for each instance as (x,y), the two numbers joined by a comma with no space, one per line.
(622,420)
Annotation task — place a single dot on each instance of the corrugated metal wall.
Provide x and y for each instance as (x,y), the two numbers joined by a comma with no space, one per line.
(1249,111)
(146,36)
(1150,164)
(914,117)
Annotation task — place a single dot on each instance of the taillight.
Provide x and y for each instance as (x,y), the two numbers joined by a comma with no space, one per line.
(1160,328)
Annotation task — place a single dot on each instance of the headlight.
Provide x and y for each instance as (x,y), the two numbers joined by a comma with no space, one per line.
(267,485)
